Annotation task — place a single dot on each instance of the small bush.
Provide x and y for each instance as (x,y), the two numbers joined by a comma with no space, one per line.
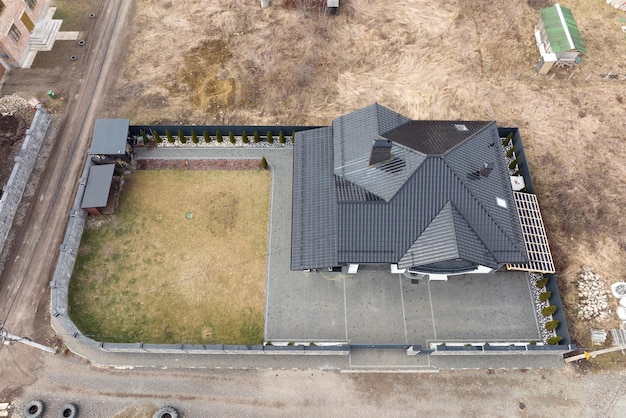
(548,310)
(507,140)
(218,137)
(231,138)
(169,136)
(157,137)
(244,137)
(533,342)
(264,163)
(541,283)
(513,164)
(257,137)
(551,325)
(207,138)
(194,137)
(144,136)
(290,343)
(182,138)
(554,340)
(510,152)
(293,136)
(281,137)
(270,138)
(545,296)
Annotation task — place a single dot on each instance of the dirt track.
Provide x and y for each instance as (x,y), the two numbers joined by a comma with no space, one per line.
(25,292)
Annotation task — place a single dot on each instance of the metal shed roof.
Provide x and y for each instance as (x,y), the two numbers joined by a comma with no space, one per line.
(561,29)
(98,185)
(109,137)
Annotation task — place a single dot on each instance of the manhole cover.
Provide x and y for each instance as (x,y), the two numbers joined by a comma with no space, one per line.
(521,406)
(189,215)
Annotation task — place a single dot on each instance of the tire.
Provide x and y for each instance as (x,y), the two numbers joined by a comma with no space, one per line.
(69,411)
(33,409)
(166,412)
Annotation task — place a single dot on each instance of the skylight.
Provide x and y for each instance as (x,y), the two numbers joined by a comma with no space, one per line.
(501,202)
(460,127)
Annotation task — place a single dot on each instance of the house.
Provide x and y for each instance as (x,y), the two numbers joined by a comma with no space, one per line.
(26,26)
(558,38)
(428,197)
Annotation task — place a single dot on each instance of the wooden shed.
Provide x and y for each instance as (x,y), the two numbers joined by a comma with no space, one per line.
(558,38)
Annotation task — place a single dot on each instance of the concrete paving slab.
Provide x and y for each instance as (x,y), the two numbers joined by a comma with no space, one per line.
(387,359)
(484,307)
(420,326)
(374,312)
(305,307)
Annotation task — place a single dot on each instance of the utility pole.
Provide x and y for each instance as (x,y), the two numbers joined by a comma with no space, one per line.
(587,355)
(7,336)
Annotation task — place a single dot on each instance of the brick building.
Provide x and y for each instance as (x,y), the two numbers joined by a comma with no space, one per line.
(25,26)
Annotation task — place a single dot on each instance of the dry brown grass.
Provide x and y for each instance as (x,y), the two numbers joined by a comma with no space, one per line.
(442,60)
(151,274)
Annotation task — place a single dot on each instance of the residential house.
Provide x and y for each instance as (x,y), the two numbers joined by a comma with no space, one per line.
(428,197)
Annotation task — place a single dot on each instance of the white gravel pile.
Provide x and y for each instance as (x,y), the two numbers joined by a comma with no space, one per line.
(13,104)
(593,297)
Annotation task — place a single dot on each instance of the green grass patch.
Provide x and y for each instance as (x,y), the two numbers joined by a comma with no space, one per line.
(151,274)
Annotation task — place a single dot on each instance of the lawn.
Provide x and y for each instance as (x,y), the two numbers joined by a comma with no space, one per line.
(182,261)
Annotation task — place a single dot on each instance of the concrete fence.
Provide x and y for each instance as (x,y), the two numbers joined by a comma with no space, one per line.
(24,163)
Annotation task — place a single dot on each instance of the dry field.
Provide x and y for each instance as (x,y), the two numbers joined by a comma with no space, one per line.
(227,61)
(150,274)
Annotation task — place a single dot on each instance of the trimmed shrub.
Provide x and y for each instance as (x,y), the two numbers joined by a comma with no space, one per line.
(513,164)
(169,136)
(231,137)
(257,137)
(244,137)
(144,136)
(293,136)
(218,137)
(182,138)
(281,137)
(270,138)
(548,310)
(545,296)
(264,163)
(194,137)
(510,152)
(207,138)
(541,283)
(507,140)
(533,342)
(554,340)
(551,325)
(157,137)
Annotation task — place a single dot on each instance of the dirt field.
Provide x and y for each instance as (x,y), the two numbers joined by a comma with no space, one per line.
(182,261)
(450,60)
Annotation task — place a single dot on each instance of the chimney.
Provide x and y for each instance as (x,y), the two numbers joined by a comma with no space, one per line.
(381,152)
(486,169)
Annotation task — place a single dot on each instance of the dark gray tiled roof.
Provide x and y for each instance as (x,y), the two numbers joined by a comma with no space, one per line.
(109,137)
(314,215)
(434,207)
(433,137)
(98,186)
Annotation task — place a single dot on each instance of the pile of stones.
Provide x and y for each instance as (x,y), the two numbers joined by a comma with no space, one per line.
(593,297)
(13,105)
